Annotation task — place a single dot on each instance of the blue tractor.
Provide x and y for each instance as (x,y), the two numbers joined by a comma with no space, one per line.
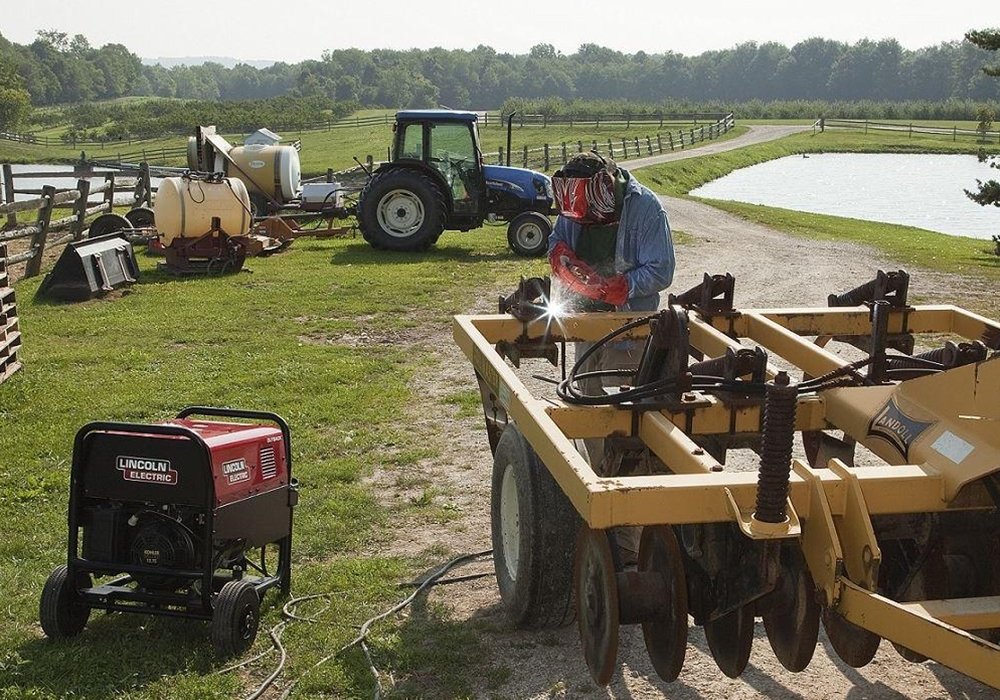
(436,180)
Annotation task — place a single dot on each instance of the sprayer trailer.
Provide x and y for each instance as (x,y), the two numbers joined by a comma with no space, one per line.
(886,529)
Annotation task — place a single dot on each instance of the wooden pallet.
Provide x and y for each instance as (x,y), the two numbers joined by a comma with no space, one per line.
(10,330)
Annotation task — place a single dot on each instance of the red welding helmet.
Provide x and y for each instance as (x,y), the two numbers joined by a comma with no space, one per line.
(584,189)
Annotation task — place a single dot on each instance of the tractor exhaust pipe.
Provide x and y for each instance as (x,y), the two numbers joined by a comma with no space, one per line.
(510,124)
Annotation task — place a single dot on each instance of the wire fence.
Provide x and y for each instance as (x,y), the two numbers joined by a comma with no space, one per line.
(866,125)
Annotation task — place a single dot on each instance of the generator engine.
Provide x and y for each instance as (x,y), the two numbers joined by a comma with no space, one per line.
(176,517)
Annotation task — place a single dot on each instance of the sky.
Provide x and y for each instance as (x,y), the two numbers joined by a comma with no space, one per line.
(255,29)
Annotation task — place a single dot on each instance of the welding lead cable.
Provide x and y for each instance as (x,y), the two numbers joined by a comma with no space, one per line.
(360,640)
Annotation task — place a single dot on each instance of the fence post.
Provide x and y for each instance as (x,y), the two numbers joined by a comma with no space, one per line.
(500,155)
(8,193)
(638,149)
(671,137)
(954,133)
(329,174)
(624,148)
(579,146)
(611,149)
(486,118)
(661,123)
(546,156)
(109,193)
(593,144)
(80,208)
(38,239)
(564,153)
(525,155)
(659,144)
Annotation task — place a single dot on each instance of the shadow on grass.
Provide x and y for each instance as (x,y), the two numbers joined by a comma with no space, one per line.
(116,653)
(364,254)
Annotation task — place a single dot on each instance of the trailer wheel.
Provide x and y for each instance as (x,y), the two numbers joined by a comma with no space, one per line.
(534,528)
(528,234)
(107,223)
(141,217)
(61,613)
(236,618)
(401,209)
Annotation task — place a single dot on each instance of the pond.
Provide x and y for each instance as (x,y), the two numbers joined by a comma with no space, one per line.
(925,191)
(122,195)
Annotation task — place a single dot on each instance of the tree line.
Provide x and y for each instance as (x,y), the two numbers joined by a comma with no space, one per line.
(57,69)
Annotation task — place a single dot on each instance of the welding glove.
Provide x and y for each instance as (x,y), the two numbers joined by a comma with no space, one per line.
(581,278)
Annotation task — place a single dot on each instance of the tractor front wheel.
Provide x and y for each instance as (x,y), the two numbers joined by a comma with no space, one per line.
(534,529)
(401,209)
(528,234)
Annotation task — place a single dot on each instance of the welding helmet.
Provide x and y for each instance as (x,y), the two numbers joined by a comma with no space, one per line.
(584,189)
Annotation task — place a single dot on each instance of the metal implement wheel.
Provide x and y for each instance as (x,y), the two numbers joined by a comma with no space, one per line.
(665,636)
(792,622)
(141,217)
(597,602)
(730,639)
(533,526)
(854,645)
(401,209)
(528,234)
(107,223)
(235,619)
(60,611)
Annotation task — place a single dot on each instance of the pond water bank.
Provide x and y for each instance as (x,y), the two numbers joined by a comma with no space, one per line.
(920,190)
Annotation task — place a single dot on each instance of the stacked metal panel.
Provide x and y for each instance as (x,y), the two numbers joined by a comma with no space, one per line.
(10,334)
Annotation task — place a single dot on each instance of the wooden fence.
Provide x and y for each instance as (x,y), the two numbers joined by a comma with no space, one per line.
(660,119)
(10,334)
(549,155)
(39,227)
(866,125)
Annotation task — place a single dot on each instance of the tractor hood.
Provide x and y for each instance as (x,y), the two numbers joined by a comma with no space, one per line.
(520,182)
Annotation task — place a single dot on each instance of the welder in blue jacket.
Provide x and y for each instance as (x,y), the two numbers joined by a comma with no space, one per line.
(610,249)
(611,244)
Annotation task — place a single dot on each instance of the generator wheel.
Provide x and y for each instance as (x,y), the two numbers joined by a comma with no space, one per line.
(61,613)
(401,209)
(528,234)
(533,527)
(107,223)
(236,618)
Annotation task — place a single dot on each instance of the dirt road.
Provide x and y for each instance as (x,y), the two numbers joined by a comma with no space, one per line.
(771,268)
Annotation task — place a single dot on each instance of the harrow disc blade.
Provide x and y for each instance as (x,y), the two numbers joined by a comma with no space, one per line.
(855,645)
(792,623)
(597,611)
(665,636)
(730,639)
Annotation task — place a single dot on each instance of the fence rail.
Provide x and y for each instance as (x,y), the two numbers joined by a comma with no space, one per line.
(986,136)
(661,119)
(39,230)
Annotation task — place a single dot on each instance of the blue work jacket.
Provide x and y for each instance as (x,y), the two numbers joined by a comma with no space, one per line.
(644,248)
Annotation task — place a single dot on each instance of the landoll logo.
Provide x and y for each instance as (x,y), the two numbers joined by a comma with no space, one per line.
(896,428)
(236,471)
(147,470)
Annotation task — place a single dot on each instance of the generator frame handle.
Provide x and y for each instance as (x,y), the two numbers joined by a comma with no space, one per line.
(286,432)
(285,544)
(73,559)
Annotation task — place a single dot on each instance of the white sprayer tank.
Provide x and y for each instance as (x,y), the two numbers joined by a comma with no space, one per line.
(271,170)
(185,207)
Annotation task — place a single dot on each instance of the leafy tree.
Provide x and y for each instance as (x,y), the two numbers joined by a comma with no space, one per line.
(15,102)
(987,192)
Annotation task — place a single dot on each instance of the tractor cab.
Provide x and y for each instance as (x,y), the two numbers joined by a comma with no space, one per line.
(436,180)
(447,143)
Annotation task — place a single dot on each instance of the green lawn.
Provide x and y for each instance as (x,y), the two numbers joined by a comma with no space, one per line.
(327,334)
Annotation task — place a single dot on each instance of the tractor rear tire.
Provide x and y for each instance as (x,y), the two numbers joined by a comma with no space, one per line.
(534,528)
(528,234)
(401,209)
(235,619)
(60,611)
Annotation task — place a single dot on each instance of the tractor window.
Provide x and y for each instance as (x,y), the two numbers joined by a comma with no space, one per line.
(413,142)
(453,154)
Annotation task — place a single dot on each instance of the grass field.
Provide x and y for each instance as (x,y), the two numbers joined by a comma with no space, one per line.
(326,334)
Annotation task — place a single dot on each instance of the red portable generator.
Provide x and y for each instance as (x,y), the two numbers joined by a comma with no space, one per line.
(167,516)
